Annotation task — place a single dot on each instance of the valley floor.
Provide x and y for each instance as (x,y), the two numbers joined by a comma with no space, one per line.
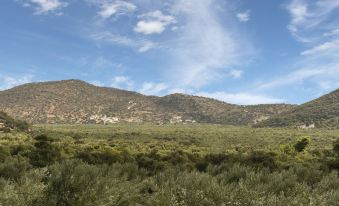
(145,164)
(192,138)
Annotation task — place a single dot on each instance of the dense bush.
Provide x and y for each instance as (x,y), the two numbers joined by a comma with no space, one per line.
(74,182)
(77,184)
(4,152)
(14,167)
(301,145)
(52,169)
(336,147)
(44,152)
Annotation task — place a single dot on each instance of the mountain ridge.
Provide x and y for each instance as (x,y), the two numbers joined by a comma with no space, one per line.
(320,112)
(76,101)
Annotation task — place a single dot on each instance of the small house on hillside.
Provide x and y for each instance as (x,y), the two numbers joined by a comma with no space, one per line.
(305,126)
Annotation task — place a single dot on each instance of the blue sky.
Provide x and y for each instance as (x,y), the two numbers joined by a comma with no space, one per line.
(237,51)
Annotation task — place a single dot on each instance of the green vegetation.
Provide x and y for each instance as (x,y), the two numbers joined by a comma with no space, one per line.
(145,164)
(301,145)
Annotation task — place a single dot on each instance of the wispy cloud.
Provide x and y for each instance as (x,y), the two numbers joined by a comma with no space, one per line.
(97,83)
(205,47)
(151,88)
(244,16)
(122,82)
(153,23)
(241,98)
(110,8)
(334,32)
(324,47)
(46,6)
(298,77)
(308,17)
(236,74)
(312,25)
(139,45)
(7,82)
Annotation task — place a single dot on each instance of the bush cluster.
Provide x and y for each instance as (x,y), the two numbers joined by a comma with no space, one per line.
(99,176)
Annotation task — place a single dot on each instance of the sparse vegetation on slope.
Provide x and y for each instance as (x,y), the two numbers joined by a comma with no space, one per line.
(75,101)
(322,112)
(7,123)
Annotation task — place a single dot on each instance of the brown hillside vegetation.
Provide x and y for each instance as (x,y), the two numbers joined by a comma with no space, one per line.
(74,101)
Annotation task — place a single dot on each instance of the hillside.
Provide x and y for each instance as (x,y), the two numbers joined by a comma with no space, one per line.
(321,112)
(7,123)
(74,101)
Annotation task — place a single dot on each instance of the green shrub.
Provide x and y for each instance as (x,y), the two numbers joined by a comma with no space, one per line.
(14,167)
(44,152)
(152,166)
(99,157)
(26,191)
(75,183)
(336,147)
(301,145)
(262,159)
(4,152)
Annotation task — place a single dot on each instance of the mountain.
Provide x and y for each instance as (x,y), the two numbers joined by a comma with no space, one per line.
(75,101)
(321,112)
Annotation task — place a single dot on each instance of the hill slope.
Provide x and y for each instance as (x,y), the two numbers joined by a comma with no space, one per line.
(7,123)
(322,112)
(74,101)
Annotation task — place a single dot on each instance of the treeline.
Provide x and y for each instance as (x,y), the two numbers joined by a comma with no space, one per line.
(39,175)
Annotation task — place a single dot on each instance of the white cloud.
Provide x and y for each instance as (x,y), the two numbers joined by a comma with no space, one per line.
(314,24)
(97,83)
(7,82)
(111,8)
(334,32)
(311,73)
(325,47)
(150,88)
(241,98)
(236,74)
(101,62)
(309,15)
(46,6)
(244,16)
(296,77)
(298,11)
(205,47)
(122,82)
(152,27)
(154,23)
(146,46)
(139,45)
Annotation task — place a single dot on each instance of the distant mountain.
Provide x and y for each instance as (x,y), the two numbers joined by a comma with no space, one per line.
(74,101)
(322,112)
